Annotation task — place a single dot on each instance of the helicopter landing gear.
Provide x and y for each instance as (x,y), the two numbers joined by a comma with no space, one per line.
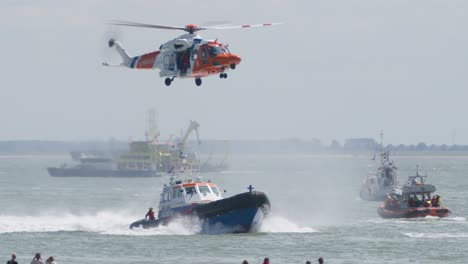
(233,66)
(168,81)
(198,81)
(223,75)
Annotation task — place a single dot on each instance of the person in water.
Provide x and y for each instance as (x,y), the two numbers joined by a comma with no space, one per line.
(12,260)
(37,259)
(320,260)
(150,214)
(266,261)
(245,262)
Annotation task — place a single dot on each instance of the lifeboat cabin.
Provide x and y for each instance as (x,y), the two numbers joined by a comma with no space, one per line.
(415,199)
(180,198)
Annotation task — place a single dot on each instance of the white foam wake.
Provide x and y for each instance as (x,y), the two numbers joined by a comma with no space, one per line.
(276,224)
(104,222)
(437,235)
(117,223)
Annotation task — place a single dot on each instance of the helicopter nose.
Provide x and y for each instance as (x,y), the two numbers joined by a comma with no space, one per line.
(234,59)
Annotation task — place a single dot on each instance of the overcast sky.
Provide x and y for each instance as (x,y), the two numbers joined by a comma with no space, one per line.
(333,70)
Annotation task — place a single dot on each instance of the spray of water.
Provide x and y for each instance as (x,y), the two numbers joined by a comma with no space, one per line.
(117,223)
(277,224)
(104,222)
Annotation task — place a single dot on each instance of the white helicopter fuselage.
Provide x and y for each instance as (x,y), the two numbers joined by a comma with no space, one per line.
(186,56)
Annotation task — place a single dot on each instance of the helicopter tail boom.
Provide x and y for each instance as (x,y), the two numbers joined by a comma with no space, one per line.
(145,61)
(122,52)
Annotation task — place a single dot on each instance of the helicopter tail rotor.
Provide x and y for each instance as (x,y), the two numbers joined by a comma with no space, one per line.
(111,42)
(122,52)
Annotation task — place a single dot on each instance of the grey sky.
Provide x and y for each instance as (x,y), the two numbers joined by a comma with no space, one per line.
(335,69)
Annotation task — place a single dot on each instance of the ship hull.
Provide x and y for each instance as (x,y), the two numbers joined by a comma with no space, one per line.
(88,172)
(241,213)
(439,211)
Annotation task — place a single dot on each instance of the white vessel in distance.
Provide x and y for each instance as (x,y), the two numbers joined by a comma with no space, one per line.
(376,186)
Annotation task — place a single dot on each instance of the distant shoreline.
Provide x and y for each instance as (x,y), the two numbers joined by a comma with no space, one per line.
(234,147)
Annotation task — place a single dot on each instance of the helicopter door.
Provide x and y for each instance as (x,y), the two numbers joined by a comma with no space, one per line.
(169,62)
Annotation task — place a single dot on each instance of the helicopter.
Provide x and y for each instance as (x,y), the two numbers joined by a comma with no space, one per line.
(187,56)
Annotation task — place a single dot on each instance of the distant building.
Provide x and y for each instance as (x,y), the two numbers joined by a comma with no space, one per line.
(360,144)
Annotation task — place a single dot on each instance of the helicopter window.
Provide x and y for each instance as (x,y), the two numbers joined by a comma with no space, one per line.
(204,189)
(190,190)
(215,50)
(167,59)
(203,53)
(226,50)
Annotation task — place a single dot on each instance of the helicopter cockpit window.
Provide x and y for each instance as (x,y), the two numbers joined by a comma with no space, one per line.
(226,50)
(215,50)
(203,53)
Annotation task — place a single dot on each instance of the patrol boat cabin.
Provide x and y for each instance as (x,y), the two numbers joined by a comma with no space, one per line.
(204,200)
(178,197)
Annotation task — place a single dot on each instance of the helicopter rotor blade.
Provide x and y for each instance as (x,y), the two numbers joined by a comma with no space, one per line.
(243,26)
(215,23)
(135,24)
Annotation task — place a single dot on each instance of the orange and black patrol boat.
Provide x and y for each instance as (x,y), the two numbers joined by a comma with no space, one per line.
(413,200)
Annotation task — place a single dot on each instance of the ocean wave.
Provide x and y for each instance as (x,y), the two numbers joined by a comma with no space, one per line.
(414,220)
(276,224)
(456,219)
(436,235)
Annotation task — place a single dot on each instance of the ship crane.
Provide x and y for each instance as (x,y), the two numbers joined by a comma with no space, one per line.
(193,126)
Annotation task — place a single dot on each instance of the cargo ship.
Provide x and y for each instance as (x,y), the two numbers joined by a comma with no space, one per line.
(102,167)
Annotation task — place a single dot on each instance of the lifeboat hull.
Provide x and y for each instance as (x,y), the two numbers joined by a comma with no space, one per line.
(439,211)
(241,213)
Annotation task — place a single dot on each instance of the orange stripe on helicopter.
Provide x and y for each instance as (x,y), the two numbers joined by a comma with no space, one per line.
(146,61)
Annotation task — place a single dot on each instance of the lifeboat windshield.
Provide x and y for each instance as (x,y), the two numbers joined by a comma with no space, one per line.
(204,189)
(190,190)
(215,190)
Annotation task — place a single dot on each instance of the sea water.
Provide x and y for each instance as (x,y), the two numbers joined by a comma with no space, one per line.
(316,211)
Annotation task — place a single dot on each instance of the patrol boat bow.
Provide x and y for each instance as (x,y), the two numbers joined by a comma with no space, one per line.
(241,213)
